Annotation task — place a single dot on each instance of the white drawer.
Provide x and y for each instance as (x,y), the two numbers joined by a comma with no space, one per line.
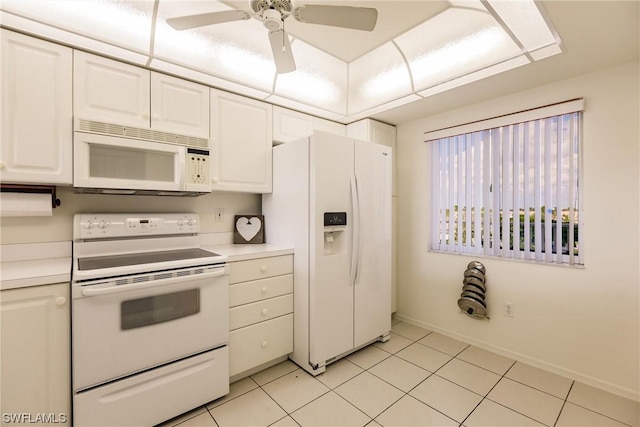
(260,311)
(260,268)
(260,343)
(256,290)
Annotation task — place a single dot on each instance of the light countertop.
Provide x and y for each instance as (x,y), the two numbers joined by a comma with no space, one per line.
(34,264)
(245,251)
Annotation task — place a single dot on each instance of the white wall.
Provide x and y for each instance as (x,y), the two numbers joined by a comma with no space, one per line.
(579,322)
(59,227)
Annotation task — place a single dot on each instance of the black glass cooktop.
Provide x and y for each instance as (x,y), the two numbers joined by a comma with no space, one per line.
(111,261)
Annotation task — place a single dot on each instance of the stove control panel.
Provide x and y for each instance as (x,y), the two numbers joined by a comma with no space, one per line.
(97,226)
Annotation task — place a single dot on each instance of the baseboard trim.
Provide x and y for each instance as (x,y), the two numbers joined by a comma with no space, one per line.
(585,379)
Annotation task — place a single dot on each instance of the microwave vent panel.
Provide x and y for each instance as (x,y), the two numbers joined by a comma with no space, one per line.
(110,129)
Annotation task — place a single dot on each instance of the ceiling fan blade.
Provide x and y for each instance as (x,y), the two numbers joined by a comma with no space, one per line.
(195,21)
(282,55)
(357,18)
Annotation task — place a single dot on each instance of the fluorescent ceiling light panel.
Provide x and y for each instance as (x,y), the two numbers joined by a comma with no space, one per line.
(525,21)
(237,51)
(47,31)
(319,80)
(454,43)
(378,77)
(122,23)
(207,79)
(478,75)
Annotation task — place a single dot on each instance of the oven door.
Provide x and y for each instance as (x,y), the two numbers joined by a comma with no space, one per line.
(122,329)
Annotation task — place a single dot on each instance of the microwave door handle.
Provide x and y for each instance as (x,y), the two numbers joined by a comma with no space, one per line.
(116,289)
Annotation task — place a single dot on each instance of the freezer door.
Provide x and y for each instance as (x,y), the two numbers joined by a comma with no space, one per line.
(330,287)
(372,302)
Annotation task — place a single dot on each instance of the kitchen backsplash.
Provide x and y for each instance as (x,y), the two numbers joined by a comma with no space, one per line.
(59,226)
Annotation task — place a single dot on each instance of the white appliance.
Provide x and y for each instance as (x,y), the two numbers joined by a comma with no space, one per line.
(116,159)
(331,201)
(149,319)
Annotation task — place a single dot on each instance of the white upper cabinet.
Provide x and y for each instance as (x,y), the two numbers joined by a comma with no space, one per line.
(179,106)
(373,131)
(289,125)
(240,143)
(36,109)
(115,92)
(329,126)
(110,91)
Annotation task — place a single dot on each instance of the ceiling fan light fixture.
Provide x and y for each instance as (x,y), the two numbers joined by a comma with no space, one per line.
(272,20)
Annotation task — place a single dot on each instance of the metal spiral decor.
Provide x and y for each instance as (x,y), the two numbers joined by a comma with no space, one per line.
(472,299)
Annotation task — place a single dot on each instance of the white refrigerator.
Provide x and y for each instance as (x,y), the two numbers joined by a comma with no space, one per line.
(331,202)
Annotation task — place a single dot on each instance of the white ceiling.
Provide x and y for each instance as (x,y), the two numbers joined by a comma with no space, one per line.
(394,18)
(593,34)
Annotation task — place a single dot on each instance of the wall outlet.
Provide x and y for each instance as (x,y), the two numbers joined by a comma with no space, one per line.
(508,309)
(219,214)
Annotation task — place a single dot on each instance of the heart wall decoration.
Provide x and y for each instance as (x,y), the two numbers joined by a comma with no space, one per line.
(248,229)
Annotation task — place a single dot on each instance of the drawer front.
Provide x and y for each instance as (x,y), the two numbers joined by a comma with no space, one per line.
(260,268)
(256,290)
(260,343)
(260,311)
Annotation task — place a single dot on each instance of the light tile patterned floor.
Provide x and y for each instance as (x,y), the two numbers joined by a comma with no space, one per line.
(417,378)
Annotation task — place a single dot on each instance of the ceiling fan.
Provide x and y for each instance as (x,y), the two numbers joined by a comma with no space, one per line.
(272,13)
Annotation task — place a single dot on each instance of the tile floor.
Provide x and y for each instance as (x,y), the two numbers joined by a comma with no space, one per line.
(417,378)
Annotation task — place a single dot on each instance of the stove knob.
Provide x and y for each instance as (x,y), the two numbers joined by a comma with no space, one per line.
(180,223)
(103,224)
(87,225)
(192,222)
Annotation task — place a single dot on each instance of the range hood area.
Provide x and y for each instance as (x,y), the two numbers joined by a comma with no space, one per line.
(458,42)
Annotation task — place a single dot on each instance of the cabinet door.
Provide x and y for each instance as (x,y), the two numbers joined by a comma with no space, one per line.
(289,125)
(36,351)
(36,111)
(110,91)
(257,344)
(179,106)
(240,143)
(329,126)
(382,133)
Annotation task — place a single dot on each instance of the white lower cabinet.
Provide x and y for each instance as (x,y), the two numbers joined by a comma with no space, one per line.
(35,353)
(260,313)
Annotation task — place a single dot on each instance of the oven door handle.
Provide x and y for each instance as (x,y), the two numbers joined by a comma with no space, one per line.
(89,292)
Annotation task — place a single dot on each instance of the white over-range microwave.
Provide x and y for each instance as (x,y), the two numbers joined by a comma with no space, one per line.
(117,159)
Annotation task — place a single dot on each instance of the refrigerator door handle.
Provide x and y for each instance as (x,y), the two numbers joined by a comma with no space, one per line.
(355,247)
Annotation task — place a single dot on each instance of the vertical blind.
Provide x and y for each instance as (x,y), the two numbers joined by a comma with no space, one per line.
(509,186)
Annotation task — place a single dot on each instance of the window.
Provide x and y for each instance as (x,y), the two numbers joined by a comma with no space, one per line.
(509,186)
